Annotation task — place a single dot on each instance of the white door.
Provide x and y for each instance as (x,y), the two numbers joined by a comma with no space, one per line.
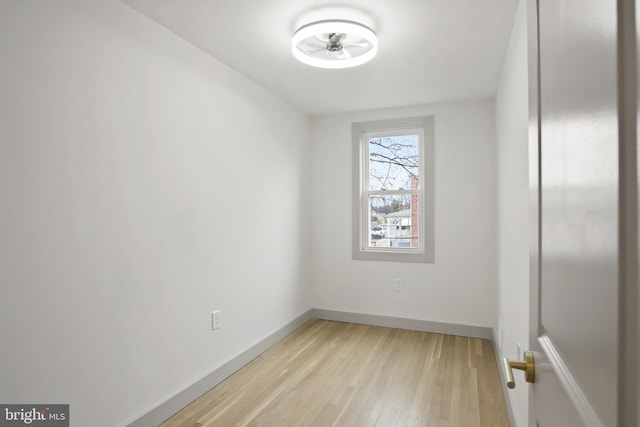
(581,209)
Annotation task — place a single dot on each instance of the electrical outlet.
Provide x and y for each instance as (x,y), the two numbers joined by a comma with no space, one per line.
(215,320)
(397,285)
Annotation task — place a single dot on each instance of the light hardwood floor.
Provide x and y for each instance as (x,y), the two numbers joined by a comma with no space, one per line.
(344,374)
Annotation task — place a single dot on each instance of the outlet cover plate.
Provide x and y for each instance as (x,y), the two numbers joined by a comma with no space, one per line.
(215,320)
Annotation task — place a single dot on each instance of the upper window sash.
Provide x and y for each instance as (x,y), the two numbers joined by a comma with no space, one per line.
(366,155)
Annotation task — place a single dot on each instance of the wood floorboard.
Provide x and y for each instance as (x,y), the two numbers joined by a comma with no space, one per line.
(333,374)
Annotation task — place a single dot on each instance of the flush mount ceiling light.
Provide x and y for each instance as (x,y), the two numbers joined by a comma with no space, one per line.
(334,43)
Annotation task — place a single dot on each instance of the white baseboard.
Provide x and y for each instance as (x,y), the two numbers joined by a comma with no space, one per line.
(403,323)
(165,410)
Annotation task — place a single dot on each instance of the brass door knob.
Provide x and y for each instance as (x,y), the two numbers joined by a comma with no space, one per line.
(528,366)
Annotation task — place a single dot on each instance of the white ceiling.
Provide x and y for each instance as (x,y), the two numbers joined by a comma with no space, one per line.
(429,50)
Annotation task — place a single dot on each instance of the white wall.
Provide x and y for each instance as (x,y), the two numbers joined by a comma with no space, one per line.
(512,115)
(460,286)
(143,184)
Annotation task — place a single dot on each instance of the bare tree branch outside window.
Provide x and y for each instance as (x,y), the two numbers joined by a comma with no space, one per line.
(393,165)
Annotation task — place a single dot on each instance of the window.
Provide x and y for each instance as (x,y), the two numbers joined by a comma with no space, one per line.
(393,190)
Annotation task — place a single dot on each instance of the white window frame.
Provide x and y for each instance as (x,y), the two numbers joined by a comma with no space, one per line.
(361,133)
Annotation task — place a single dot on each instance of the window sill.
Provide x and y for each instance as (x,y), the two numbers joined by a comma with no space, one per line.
(393,256)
